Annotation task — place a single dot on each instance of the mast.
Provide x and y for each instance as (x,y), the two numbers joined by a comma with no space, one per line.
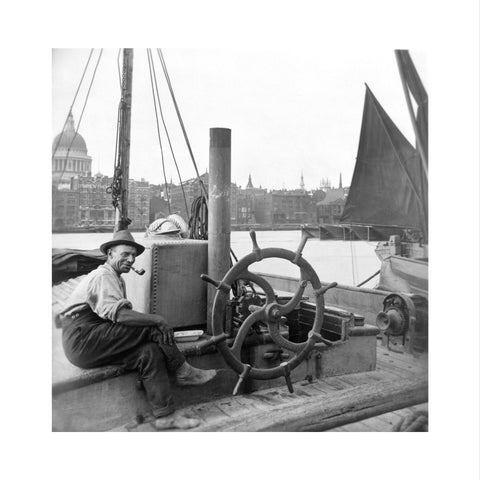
(420,146)
(123,164)
(411,82)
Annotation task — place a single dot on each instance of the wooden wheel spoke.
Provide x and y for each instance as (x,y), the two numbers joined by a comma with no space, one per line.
(283,342)
(243,331)
(292,303)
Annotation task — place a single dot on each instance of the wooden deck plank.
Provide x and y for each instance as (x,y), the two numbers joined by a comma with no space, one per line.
(334,409)
(250,404)
(323,388)
(404,358)
(412,410)
(408,361)
(399,371)
(401,364)
(356,379)
(375,376)
(385,422)
(391,417)
(335,383)
(377,424)
(208,412)
(354,427)
(231,407)
(349,382)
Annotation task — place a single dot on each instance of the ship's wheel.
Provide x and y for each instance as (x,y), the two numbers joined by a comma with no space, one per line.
(271,313)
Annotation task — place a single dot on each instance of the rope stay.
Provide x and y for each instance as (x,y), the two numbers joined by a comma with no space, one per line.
(198,221)
(158,129)
(166,132)
(79,120)
(73,103)
(167,78)
(354,259)
(118,69)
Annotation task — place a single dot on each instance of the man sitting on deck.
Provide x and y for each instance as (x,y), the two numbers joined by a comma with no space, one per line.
(100,328)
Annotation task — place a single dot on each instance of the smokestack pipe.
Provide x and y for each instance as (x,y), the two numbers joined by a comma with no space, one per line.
(218,211)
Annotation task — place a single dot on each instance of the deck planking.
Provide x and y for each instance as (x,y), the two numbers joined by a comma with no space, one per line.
(233,413)
(381,423)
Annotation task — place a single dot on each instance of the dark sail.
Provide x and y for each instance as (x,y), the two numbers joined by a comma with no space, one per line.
(389,184)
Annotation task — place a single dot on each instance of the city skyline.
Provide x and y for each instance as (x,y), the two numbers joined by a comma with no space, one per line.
(324,183)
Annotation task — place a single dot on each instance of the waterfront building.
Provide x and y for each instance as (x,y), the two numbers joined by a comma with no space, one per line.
(139,203)
(65,211)
(252,204)
(96,207)
(330,208)
(292,206)
(191,189)
(95,204)
(186,192)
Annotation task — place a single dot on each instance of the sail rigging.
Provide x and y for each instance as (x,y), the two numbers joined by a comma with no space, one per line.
(389,185)
(412,85)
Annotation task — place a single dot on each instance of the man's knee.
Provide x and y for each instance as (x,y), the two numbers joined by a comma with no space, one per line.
(151,355)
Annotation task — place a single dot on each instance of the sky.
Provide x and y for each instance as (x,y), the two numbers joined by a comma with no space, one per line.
(290,111)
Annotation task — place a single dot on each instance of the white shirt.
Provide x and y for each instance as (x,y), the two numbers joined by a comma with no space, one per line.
(103,290)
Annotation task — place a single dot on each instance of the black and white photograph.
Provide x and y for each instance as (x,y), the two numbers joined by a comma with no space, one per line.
(256,250)
(276,281)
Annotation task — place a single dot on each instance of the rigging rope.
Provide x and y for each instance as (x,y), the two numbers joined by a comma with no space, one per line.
(158,130)
(118,68)
(78,124)
(167,77)
(73,103)
(352,256)
(198,221)
(369,278)
(168,136)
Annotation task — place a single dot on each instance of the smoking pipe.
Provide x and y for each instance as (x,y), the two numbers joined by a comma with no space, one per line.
(138,272)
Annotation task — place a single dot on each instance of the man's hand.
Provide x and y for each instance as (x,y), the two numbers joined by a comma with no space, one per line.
(131,318)
(166,331)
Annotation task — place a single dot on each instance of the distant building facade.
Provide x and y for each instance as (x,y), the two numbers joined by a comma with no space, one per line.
(80,200)
(330,208)
(191,189)
(65,208)
(95,204)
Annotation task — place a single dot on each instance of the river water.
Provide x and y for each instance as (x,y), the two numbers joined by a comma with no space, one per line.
(344,262)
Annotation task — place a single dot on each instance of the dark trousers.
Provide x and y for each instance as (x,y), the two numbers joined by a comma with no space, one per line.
(89,341)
